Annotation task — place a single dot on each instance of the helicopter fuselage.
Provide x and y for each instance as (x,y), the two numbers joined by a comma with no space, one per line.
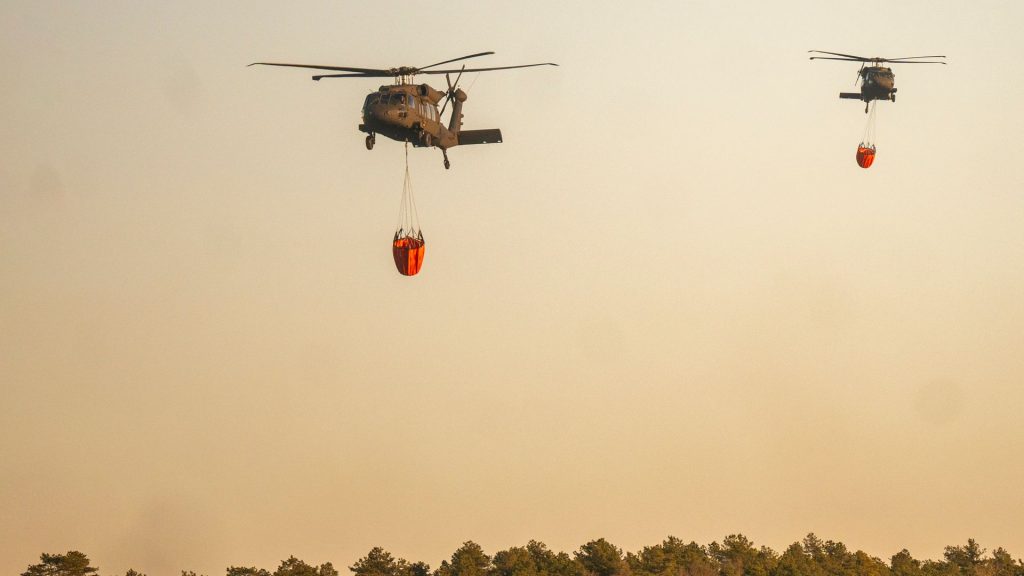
(877,83)
(409,113)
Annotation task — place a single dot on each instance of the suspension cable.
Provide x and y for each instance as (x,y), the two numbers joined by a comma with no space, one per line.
(408,215)
(869,126)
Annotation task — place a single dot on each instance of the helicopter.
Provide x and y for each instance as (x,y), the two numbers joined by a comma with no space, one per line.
(408,112)
(877,81)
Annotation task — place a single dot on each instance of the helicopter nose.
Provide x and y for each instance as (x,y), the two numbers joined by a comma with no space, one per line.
(377,112)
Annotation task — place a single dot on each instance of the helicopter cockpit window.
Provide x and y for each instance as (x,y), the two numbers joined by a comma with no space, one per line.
(397,99)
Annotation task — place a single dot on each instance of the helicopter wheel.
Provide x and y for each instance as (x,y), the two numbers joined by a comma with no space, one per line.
(370,140)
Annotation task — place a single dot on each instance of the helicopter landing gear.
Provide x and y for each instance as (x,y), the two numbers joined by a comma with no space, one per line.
(371,139)
(447,164)
(422,136)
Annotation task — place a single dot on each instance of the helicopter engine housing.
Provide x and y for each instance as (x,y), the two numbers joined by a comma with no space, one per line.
(429,93)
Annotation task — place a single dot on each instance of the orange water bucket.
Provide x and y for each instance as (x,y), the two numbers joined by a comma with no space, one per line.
(408,252)
(865,156)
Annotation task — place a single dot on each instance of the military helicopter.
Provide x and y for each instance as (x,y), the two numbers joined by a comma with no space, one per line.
(877,82)
(408,112)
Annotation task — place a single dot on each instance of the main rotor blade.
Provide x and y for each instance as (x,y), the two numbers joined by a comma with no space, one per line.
(879,60)
(838,54)
(373,71)
(843,59)
(485,69)
(910,58)
(456,60)
(317,78)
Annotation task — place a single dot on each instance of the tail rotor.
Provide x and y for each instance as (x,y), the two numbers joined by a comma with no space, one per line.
(450,95)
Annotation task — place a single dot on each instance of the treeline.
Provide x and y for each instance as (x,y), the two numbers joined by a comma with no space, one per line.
(735,555)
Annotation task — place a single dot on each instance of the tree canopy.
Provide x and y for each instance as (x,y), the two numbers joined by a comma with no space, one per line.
(735,555)
(74,563)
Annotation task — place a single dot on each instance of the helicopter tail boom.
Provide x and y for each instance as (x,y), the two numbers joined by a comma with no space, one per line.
(489,136)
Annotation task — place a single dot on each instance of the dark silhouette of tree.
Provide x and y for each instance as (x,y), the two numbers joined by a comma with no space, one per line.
(515,561)
(294,567)
(535,559)
(796,562)
(1004,565)
(866,565)
(549,563)
(673,557)
(967,559)
(816,557)
(246,571)
(834,558)
(736,556)
(379,562)
(813,547)
(290,567)
(468,560)
(74,563)
(601,558)
(939,568)
(903,564)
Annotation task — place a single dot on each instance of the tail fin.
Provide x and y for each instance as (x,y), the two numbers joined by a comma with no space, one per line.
(489,136)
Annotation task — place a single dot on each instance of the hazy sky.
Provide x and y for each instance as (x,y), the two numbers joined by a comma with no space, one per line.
(669,303)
